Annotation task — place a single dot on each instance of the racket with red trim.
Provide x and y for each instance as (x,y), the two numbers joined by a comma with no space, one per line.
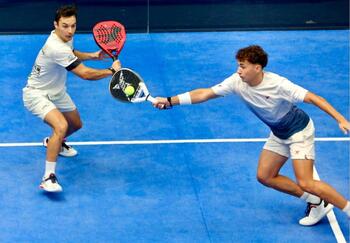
(110,36)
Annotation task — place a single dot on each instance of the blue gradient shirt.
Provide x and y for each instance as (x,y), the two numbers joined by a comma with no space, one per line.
(272,101)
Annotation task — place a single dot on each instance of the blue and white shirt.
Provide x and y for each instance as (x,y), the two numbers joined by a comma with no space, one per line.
(272,101)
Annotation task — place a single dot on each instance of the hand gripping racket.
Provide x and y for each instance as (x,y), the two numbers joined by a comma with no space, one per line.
(124,78)
(110,36)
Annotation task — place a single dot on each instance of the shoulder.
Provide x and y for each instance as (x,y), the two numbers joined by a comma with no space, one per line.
(54,43)
(273,76)
(274,79)
(232,81)
(58,50)
(233,78)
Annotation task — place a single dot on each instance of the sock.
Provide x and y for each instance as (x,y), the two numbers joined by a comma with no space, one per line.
(310,198)
(346,209)
(50,167)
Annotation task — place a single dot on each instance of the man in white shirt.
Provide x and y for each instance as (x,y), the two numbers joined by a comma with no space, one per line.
(45,93)
(272,99)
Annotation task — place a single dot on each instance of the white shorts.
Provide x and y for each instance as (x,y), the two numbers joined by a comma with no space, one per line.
(300,145)
(39,102)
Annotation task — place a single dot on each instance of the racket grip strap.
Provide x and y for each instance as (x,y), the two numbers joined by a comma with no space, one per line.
(150,99)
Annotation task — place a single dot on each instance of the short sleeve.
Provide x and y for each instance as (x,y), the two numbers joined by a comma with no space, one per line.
(292,92)
(225,87)
(65,57)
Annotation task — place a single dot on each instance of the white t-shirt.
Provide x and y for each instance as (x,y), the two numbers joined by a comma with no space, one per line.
(272,101)
(49,71)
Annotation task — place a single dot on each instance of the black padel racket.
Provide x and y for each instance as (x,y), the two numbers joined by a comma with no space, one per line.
(127,80)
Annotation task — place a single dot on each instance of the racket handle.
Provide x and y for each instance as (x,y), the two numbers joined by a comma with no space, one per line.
(151,99)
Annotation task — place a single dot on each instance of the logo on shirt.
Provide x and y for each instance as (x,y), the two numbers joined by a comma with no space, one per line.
(35,71)
(43,50)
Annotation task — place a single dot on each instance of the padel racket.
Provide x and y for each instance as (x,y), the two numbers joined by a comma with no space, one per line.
(125,78)
(110,36)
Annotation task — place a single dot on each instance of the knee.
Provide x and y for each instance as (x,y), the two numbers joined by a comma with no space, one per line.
(263,179)
(75,126)
(78,125)
(306,185)
(61,129)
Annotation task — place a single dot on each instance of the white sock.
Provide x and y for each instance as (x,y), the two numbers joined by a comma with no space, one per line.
(310,198)
(50,167)
(346,209)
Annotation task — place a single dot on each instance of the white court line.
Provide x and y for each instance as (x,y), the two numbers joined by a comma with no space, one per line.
(331,216)
(332,219)
(131,142)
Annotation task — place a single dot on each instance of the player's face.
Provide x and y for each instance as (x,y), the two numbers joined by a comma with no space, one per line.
(249,72)
(65,28)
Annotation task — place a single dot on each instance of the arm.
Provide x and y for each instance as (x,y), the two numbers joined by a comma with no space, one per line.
(321,103)
(88,73)
(192,97)
(98,55)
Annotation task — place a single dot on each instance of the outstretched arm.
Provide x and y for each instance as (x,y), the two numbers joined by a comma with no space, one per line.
(192,97)
(320,102)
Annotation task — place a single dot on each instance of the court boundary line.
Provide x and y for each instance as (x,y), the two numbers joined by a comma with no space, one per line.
(170,141)
(333,222)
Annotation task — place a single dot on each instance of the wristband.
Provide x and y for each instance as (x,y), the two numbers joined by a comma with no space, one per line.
(111,69)
(169,100)
(185,98)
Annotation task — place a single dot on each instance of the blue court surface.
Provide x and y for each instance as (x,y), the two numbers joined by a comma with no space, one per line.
(181,175)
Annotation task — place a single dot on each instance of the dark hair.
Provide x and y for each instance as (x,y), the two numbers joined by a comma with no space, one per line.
(253,54)
(65,11)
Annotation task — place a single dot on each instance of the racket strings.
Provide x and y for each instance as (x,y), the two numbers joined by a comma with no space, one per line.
(116,33)
(109,35)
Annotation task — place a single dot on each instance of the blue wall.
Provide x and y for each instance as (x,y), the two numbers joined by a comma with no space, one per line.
(18,16)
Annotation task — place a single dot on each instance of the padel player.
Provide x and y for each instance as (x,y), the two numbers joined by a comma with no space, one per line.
(45,93)
(271,98)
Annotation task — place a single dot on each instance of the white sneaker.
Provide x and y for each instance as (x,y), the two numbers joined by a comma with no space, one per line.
(50,184)
(315,212)
(66,150)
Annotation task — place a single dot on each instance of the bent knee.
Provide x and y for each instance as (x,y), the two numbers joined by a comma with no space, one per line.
(61,129)
(263,179)
(78,125)
(75,126)
(307,185)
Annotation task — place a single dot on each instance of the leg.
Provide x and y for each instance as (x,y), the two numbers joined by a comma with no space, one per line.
(60,126)
(74,121)
(38,102)
(303,170)
(269,166)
